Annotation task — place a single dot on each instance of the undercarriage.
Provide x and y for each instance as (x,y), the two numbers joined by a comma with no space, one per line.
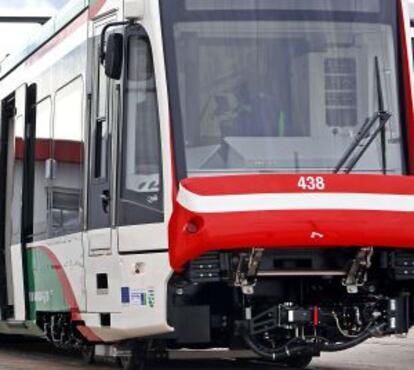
(284,306)
(291,305)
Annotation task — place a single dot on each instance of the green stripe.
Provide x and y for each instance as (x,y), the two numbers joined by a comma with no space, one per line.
(45,291)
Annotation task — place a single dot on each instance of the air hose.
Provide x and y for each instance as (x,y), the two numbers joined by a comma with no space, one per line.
(278,354)
(335,347)
(282,353)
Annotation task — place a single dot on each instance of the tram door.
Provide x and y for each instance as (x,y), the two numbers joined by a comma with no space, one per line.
(17,206)
(100,171)
(7,116)
(103,278)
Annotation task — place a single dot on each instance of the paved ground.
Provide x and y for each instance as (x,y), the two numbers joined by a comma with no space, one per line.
(395,354)
(378,354)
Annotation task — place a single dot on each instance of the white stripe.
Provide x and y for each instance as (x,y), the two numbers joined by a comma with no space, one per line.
(294,201)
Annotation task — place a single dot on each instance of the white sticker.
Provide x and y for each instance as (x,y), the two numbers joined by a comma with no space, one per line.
(139,297)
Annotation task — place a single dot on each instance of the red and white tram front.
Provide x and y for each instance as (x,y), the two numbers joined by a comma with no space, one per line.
(271,101)
(291,139)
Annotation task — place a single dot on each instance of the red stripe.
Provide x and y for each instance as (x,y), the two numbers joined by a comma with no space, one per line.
(68,151)
(95,8)
(43,149)
(65,151)
(407,88)
(58,38)
(87,332)
(315,316)
(288,183)
(66,32)
(19,148)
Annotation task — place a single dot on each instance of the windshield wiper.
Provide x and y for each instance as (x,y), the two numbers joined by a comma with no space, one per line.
(364,139)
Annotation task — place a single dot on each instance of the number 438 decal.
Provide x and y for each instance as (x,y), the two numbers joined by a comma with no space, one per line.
(311,183)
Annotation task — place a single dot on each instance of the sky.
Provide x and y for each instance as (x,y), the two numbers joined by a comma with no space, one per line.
(14,35)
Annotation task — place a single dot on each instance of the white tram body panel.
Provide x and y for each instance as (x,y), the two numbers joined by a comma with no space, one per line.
(66,56)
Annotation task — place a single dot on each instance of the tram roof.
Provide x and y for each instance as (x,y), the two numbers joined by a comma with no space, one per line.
(70,11)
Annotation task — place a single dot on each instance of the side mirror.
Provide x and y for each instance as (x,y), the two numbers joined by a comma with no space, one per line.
(114,56)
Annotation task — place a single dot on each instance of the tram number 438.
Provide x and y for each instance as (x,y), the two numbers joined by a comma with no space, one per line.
(312,183)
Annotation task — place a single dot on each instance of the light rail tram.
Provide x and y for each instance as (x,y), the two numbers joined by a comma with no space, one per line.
(209,179)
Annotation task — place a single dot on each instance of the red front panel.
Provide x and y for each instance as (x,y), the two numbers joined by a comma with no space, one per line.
(290,211)
(407,85)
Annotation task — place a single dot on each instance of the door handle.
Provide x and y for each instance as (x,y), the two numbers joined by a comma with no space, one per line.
(106,199)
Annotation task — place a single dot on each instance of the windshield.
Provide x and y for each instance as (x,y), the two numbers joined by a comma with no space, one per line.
(280,86)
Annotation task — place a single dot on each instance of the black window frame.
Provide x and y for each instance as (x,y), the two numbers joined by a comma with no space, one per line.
(99,157)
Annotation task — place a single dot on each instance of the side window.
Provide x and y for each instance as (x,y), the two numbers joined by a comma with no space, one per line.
(141,199)
(68,148)
(42,168)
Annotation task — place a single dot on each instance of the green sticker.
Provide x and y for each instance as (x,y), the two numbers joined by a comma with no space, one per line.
(151,297)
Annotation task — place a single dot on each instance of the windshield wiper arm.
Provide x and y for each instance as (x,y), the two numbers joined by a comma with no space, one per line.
(381,109)
(383,117)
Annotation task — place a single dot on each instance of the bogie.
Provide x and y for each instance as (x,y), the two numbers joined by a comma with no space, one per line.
(300,362)
(88,354)
(135,355)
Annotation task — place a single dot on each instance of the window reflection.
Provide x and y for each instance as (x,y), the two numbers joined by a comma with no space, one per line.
(42,162)
(66,189)
(16,206)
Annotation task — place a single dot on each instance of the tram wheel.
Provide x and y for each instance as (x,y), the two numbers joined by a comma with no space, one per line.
(88,354)
(137,358)
(299,362)
(132,362)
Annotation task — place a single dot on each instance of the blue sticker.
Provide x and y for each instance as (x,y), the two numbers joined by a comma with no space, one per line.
(125,295)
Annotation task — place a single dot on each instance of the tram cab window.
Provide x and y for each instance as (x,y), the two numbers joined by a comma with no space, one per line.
(141,199)
(68,149)
(285,88)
